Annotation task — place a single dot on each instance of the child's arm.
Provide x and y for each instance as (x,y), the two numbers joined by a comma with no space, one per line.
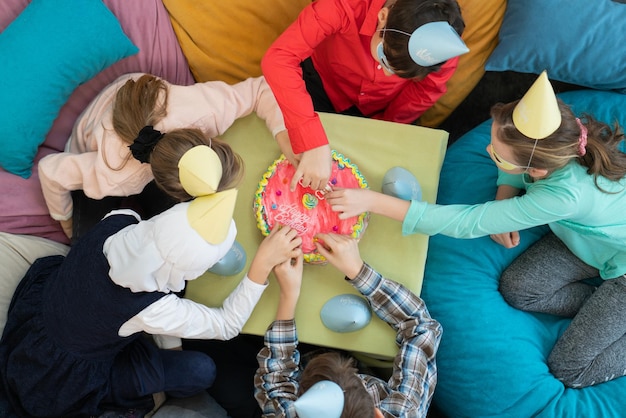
(184,318)
(276,379)
(218,105)
(59,174)
(414,375)
(282,139)
(281,68)
(63,172)
(353,202)
(289,277)
(507,239)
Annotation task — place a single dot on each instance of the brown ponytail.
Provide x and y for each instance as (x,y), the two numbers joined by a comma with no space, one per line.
(139,103)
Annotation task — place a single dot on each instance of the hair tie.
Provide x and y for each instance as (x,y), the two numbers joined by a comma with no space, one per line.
(582,139)
(142,146)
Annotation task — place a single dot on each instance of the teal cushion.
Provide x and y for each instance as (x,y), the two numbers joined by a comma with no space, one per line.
(47,51)
(576,41)
(492,357)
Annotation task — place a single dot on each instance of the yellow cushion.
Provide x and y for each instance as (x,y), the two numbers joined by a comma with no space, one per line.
(225,40)
(483,19)
(401,258)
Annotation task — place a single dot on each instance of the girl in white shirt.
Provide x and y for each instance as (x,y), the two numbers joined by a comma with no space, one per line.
(73,339)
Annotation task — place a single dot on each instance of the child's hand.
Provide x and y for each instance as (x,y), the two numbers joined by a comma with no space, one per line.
(289,276)
(314,169)
(350,202)
(507,239)
(342,252)
(282,244)
(282,138)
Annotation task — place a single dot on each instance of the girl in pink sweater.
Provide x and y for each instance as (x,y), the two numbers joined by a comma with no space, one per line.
(113,148)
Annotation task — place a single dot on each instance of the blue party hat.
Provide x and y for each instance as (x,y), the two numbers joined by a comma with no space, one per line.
(434,43)
(323,399)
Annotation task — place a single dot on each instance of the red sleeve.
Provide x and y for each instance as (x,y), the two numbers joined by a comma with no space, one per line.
(281,68)
(419,96)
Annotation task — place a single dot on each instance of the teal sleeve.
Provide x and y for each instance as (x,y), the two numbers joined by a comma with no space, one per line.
(513,180)
(413,216)
(541,206)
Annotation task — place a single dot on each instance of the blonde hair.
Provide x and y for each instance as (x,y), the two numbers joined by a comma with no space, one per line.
(342,370)
(602,156)
(169,150)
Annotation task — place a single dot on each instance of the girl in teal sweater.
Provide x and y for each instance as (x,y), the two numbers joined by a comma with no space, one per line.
(559,170)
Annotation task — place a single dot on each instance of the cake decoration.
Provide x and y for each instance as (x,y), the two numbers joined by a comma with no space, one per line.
(306,210)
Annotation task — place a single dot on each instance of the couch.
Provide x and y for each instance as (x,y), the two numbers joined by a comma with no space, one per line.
(185,41)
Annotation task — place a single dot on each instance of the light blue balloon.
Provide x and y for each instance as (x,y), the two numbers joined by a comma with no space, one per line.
(323,400)
(401,183)
(232,263)
(346,313)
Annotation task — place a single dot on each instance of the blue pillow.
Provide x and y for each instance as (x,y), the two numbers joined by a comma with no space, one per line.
(492,357)
(47,51)
(576,41)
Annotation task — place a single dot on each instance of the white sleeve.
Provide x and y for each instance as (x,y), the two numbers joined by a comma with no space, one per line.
(179,317)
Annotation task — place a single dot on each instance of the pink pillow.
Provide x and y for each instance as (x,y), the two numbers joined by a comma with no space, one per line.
(147,24)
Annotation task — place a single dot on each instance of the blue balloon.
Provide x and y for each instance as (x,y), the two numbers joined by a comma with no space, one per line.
(323,399)
(232,263)
(401,183)
(345,313)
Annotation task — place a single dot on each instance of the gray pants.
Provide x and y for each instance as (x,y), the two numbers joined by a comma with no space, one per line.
(547,278)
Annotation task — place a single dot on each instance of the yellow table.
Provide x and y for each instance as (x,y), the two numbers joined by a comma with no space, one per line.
(374,146)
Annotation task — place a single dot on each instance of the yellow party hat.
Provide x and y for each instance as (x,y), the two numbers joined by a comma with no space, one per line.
(210,215)
(537,114)
(200,171)
(210,212)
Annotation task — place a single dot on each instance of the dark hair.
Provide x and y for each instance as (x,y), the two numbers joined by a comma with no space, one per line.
(408,15)
(602,156)
(342,370)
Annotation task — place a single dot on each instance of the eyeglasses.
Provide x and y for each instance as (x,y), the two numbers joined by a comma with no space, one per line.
(504,164)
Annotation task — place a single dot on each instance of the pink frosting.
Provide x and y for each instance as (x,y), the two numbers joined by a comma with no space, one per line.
(282,206)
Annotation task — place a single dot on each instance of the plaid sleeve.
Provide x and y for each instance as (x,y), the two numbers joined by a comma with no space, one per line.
(276,379)
(409,390)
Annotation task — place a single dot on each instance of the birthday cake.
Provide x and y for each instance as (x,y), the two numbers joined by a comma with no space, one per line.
(306,210)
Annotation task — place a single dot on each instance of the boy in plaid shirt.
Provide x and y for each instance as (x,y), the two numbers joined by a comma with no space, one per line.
(280,379)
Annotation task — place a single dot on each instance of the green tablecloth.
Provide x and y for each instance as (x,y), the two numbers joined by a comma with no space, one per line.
(374,146)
